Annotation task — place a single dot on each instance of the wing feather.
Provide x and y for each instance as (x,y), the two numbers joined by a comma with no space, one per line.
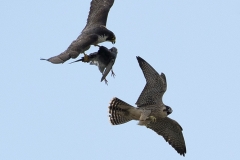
(171,132)
(98,13)
(78,46)
(155,87)
(107,70)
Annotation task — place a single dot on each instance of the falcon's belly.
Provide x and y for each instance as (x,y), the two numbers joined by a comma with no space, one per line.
(154,110)
(102,38)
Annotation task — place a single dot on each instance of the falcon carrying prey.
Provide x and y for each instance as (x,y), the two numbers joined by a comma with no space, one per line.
(104,59)
(150,111)
(94,32)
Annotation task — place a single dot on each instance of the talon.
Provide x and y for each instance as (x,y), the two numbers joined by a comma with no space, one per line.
(85,58)
(113,74)
(106,82)
(96,45)
(152,118)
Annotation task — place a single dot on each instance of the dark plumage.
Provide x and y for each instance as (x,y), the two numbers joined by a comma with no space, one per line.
(104,59)
(94,32)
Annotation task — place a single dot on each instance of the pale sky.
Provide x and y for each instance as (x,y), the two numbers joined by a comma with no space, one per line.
(60,111)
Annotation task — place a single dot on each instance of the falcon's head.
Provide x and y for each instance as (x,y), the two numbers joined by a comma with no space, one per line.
(111,37)
(168,110)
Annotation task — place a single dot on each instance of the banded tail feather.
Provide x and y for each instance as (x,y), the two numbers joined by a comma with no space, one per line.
(118,111)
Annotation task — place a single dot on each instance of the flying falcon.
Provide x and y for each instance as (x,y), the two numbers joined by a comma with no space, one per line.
(104,59)
(94,32)
(151,111)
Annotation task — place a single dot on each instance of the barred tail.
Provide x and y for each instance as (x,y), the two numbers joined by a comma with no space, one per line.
(118,111)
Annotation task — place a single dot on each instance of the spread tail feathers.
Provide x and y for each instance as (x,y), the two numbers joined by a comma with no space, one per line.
(119,111)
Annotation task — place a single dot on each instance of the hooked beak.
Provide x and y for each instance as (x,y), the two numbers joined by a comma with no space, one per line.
(113,40)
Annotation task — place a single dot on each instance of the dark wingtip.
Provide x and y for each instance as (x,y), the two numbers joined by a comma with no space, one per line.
(140,60)
(182,152)
(54,60)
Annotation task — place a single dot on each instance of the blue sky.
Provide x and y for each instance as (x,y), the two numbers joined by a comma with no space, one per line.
(60,112)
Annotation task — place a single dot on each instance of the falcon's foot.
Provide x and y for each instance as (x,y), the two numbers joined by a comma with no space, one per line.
(96,45)
(113,74)
(106,82)
(85,58)
(152,119)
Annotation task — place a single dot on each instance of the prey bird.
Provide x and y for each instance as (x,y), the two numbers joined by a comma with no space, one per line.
(104,59)
(94,32)
(151,111)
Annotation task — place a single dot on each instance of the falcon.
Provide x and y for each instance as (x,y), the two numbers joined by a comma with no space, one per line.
(104,59)
(95,32)
(150,111)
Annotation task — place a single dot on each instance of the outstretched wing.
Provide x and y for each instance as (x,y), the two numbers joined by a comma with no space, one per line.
(171,132)
(155,87)
(80,45)
(107,70)
(98,13)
